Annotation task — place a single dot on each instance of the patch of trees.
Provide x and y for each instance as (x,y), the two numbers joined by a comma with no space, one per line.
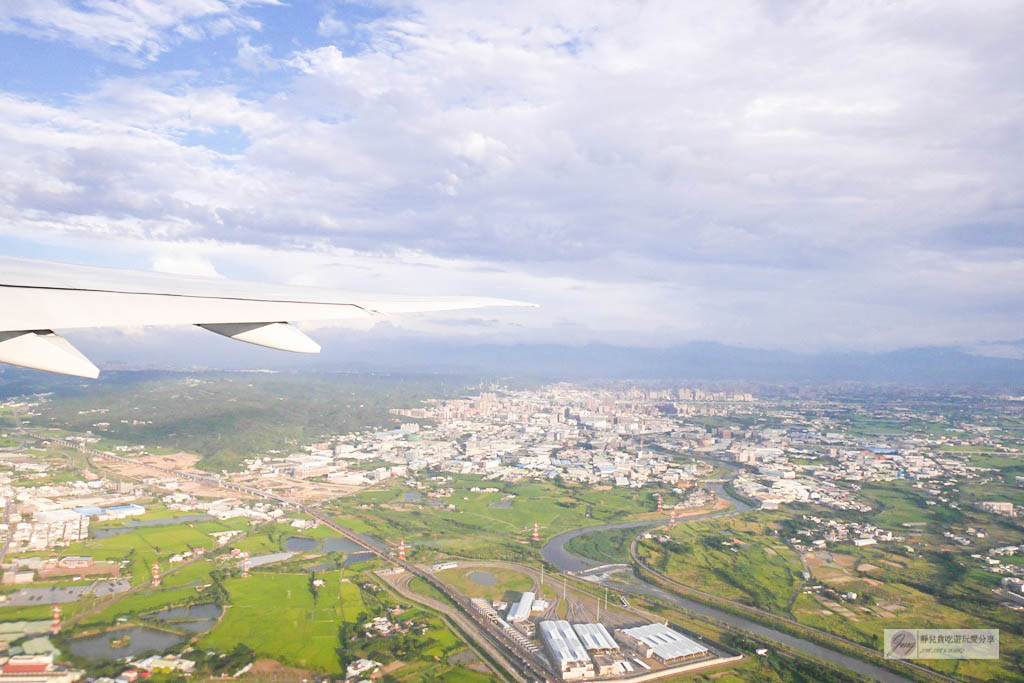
(225,663)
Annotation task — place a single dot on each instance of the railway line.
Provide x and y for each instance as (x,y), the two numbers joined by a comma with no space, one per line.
(522,664)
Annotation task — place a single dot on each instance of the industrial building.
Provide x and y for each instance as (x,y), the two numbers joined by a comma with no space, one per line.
(595,638)
(520,611)
(565,650)
(662,643)
(602,648)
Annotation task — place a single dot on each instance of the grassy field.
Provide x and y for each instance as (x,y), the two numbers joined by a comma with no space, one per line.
(265,607)
(487,525)
(509,584)
(610,547)
(741,559)
(277,616)
(140,547)
(144,545)
(736,558)
(897,503)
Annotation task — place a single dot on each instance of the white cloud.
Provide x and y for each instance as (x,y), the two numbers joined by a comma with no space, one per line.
(254,58)
(181,262)
(826,176)
(136,31)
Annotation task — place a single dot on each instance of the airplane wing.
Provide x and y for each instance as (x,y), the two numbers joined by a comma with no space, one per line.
(37,297)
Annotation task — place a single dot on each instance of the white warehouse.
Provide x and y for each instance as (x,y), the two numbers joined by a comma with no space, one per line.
(566,651)
(663,643)
(595,638)
(520,611)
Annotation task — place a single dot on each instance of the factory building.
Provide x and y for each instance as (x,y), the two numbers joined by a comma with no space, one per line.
(601,647)
(520,611)
(595,638)
(662,643)
(566,651)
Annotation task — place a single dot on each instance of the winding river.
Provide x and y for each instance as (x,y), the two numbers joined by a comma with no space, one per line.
(555,552)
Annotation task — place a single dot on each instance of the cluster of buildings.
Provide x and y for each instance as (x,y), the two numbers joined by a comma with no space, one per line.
(520,611)
(582,651)
(578,435)
(998,507)
(821,532)
(225,508)
(142,669)
(42,517)
(1012,573)
(384,626)
(36,669)
(1013,591)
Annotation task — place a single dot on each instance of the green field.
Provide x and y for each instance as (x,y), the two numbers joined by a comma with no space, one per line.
(736,558)
(742,559)
(487,525)
(509,584)
(609,547)
(277,616)
(264,607)
(144,545)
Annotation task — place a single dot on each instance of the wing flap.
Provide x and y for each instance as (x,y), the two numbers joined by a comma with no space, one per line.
(280,336)
(45,350)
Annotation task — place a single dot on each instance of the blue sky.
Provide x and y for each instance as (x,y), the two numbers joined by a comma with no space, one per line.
(800,175)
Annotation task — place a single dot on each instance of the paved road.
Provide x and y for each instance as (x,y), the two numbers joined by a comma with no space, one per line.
(556,553)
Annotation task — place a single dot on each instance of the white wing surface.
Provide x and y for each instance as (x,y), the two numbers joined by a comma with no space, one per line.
(37,297)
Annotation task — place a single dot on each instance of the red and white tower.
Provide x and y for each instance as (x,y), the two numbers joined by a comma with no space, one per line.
(536,531)
(401,549)
(156,574)
(55,625)
(659,502)
(672,519)
(245,563)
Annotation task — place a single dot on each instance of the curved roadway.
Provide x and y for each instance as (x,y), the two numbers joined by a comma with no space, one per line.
(555,552)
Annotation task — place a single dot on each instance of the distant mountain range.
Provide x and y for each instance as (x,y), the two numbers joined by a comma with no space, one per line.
(349,351)
(696,361)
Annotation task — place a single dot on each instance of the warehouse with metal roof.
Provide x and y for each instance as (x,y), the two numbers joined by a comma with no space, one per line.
(520,611)
(565,650)
(595,638)
(663,643)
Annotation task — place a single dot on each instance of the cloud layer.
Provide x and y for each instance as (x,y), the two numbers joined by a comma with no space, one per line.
(799,174)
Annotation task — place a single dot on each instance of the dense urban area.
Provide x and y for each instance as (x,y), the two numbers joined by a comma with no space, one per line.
(487,531)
